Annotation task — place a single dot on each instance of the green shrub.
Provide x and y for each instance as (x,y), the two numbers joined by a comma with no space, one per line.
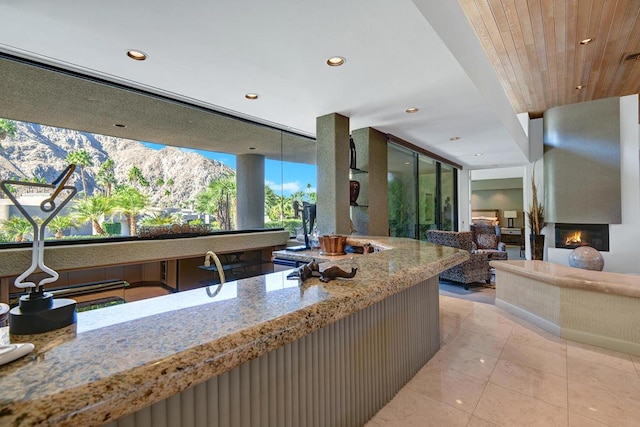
(288,224)
(112,228)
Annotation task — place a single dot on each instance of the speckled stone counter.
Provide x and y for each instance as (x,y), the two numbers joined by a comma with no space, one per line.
(120,359)
(594,307)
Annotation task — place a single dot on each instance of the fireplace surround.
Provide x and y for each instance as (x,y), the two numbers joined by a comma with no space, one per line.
(571,236)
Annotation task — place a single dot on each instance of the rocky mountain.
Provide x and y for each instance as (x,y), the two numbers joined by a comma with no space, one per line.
(175,176)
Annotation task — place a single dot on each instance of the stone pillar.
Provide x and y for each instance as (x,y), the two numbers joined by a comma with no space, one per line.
(332,135)
(250,191)
(371,150)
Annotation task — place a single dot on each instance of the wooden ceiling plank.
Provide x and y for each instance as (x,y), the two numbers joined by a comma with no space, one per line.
(613,50)
(534,47)
(590,49)
(479,25)
(627,45)
(560,11)
(518,37)
(496,37)
(582,23)
(520,79)
(571,39)
(549,28)
(535,13)
(530,48)
(600,34)
(632,83)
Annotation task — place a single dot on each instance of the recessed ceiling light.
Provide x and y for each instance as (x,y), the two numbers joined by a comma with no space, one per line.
(586,41)
(407,163)
(478,154)
(336,61)
(580,87)
(251,96)
(120,125)
(137,55)
(411,110)
(454,138)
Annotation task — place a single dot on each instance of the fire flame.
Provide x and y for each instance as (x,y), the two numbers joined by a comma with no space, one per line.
(574,238)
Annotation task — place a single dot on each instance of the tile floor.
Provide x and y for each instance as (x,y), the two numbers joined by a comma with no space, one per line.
(495,369)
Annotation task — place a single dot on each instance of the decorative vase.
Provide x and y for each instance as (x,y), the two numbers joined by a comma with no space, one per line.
(354,192)
(587,258)
(537,246)
(352,154)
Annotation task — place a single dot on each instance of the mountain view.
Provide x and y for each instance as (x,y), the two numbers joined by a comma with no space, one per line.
(174,176)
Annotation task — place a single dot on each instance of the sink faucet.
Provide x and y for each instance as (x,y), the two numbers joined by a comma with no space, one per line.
(207,263)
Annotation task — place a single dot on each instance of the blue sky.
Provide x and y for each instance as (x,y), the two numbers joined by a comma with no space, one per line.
(282,177)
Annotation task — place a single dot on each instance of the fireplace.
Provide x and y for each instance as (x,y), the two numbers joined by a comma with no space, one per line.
(571,236)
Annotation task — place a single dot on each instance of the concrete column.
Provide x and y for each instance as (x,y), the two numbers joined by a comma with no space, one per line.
(332,135)
(250,191)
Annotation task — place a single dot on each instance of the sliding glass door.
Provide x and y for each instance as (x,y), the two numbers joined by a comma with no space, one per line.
(401,164)
(422,193)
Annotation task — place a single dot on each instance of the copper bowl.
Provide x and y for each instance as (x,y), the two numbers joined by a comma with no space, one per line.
(332,244)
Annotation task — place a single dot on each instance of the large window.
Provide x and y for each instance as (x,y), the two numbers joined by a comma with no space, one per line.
(128,188)
(146,164)
(422,193)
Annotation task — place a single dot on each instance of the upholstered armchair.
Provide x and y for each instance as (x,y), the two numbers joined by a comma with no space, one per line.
(475,270)
(486,240)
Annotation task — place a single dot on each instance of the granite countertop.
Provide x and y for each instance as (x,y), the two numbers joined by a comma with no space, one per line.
(122,358)
(576,278)
(318,255)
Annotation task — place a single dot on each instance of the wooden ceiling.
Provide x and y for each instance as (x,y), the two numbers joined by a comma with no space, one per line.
(534,46)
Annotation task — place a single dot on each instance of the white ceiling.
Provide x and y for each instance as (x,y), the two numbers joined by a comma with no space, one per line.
(212,53)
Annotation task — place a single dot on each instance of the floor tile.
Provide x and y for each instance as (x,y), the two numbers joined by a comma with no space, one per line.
(636,362)
(535,358)
(615,409)
(506,407)
(531,382)
(469,362)
(603,377)
(481,325)
(410,408)
(511,373)
(491,314)
(483,341)
(448,386)
(535,337)
(576,420)
(601,356)
(479,422)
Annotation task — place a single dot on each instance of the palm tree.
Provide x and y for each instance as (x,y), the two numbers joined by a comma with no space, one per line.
(219,199)
(130,202)
(107,176)
(135,177)
(159,219)
(17,228)
(60,223)
(93,209)
(7,128)
(81,158)
(272,204)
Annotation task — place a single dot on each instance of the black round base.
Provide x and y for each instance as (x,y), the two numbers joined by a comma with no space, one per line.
(61,313)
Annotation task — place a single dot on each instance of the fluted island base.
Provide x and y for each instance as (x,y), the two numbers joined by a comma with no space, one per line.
(339,375)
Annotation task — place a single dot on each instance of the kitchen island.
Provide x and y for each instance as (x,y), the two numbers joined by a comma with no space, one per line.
(259,351)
